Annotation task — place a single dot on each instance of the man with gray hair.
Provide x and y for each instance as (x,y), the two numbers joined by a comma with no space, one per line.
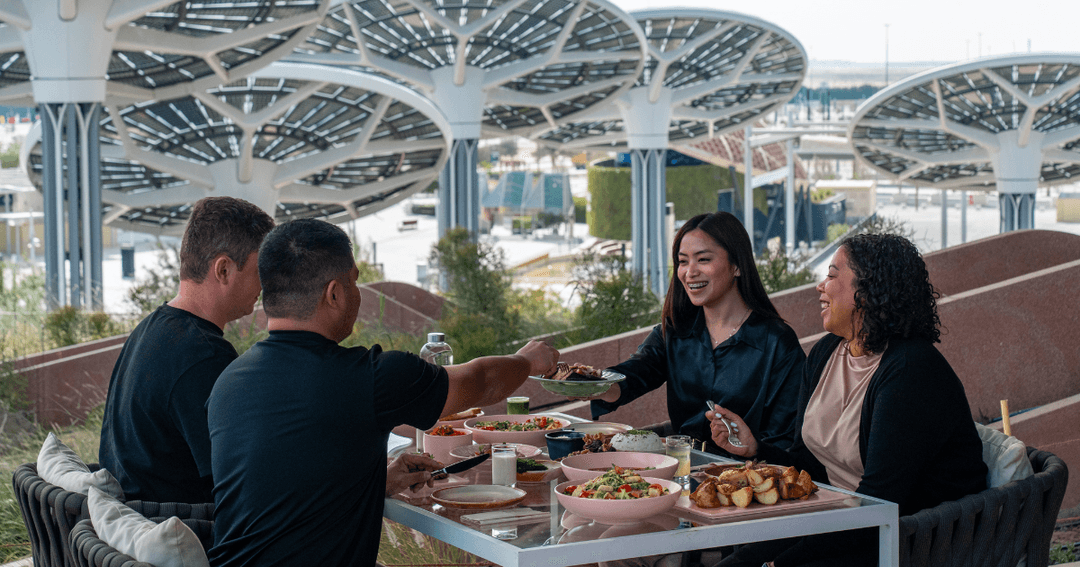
(154,438)
(299,424)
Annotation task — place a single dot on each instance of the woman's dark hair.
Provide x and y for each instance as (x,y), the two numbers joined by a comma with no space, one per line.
(728,232)
(893,293)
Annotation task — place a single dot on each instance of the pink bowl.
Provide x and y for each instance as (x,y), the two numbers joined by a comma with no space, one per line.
(587,467)
(616,512)
(534,438)
(439,446)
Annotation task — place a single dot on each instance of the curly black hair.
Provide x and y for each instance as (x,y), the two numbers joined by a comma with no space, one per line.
(893,293)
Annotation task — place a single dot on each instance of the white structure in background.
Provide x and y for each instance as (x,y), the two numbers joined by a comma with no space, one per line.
(709,72)
(70,56)
(498,68)
(297,140)
(1006,123)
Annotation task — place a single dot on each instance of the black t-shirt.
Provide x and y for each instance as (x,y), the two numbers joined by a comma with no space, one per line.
(298,429)
(154,438)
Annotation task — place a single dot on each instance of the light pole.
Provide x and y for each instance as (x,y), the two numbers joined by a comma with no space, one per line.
(886,54)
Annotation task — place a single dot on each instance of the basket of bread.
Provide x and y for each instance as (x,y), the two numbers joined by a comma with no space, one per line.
(753,482)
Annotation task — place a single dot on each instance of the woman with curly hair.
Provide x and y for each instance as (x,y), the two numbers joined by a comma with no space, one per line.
(719,338)
(881,411)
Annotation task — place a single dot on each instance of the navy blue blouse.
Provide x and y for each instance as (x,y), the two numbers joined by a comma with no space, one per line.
(754,373)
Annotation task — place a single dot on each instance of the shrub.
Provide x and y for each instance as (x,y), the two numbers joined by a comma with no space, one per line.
(160,284)
(835,231)
(778,272)
(581,204)
(613,299)
(69,325)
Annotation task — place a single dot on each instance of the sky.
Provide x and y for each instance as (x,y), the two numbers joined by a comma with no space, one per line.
(918,30)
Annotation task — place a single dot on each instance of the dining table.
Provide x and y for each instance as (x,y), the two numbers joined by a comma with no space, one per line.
(544,533)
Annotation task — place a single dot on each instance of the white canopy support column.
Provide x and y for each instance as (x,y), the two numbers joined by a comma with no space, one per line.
(789,198)
(748,184)
(648,194)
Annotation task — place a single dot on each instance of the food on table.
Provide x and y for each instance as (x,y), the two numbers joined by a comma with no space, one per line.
(616,484)
(539,423)
(767,484)
(596,443)
(467,414)
(638,440)
(577,373)
(527,465)
(445,431)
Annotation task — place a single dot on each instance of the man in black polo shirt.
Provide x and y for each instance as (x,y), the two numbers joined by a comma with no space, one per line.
(299,424)
(154,438)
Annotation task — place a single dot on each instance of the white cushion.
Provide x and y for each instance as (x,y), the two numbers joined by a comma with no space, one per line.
(1005,457)
(59,465)
(168,544)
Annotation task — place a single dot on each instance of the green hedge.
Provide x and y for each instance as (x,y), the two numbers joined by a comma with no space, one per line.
(692,189)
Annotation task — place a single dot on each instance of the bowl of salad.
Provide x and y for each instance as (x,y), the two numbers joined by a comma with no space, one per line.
(587,466)
(527,429)
(619,496)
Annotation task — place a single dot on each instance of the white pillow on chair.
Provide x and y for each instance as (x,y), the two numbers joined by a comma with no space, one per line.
(1005,457)
(168,544)
(59,465)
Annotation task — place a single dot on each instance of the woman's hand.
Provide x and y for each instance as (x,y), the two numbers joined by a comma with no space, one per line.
(409,470)
(719,433)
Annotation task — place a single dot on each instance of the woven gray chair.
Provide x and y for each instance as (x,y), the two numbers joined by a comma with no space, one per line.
(49,513)
(89,551)
(996,527)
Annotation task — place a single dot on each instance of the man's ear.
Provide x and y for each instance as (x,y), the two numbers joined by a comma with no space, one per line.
(221,269)
(334,294)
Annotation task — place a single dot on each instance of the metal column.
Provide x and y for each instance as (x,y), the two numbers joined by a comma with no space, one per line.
(648,198)
(789,199)
(944,219)
(748,184)
(459,189)
(963,216)
(1017,211)
(71,176)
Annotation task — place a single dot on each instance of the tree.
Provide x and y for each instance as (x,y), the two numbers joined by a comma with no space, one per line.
(160,285)
(613,299)
(479,320)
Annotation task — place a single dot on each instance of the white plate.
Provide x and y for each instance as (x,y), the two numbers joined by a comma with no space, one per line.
(478,496)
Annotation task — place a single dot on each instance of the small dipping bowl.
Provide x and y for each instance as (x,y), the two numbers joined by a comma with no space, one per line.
(562,443)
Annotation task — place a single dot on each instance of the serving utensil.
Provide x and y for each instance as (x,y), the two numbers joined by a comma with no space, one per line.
(733,436)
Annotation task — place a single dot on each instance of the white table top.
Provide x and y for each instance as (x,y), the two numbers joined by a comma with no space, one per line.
(560,538)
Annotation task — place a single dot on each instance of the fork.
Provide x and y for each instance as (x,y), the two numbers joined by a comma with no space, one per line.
(732,437)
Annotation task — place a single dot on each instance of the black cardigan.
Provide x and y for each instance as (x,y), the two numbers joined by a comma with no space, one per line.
(917,440)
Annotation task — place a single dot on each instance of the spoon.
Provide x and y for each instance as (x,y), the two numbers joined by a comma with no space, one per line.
(732,437)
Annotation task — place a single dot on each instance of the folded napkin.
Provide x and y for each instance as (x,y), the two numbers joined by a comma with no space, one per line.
(516,515)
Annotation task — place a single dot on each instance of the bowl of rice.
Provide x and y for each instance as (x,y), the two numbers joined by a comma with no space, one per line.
(638,441)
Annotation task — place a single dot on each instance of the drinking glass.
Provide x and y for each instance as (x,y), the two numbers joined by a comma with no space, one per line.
(678,446)
(503,464)
(517,405)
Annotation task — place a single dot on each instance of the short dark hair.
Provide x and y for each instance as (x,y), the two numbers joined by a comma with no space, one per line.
(296,261)
(723,227)
(221,225)
(893,293)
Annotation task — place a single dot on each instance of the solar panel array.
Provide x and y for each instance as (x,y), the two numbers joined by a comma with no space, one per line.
(941,128)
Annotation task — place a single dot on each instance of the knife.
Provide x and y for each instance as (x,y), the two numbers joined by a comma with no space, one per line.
(459,466)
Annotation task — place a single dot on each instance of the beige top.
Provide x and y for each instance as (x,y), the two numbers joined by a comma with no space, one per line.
(834,414)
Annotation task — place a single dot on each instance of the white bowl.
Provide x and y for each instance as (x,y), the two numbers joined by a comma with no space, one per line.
(591,465)
(534,438)
(620,511)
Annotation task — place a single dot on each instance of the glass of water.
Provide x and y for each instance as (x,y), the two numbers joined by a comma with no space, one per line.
(678,446)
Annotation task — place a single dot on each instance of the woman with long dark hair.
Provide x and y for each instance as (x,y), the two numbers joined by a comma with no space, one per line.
(881,412)
(719,339)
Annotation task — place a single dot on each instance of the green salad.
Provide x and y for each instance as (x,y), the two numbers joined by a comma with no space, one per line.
(617,484)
